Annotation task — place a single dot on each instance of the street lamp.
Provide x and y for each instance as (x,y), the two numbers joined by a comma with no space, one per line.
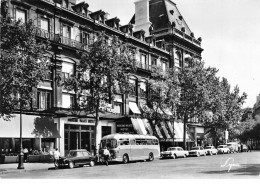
(21,155)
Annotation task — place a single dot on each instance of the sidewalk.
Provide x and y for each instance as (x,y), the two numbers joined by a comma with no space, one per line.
(12,167)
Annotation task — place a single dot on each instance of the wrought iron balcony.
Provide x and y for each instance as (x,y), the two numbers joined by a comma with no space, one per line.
(59,38)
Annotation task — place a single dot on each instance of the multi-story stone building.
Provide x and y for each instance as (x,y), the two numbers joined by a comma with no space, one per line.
(157,31)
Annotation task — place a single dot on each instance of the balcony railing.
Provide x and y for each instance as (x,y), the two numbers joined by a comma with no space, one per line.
(143,66)
(178,32)
(58,38)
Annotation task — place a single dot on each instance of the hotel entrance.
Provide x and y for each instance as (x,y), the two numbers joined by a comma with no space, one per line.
(78,137)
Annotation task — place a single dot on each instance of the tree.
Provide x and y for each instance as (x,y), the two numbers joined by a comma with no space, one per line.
(23,64)
(197,87)
(226,110)
(103,71)
(163,95)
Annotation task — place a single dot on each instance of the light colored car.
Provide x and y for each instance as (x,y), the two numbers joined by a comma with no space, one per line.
(233,147)
(174,152)
(223,149)
(211,150)
(197,151)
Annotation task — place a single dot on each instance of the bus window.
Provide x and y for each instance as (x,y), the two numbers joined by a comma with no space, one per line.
(123,142)
(141,142)
(149,142)
(110,143)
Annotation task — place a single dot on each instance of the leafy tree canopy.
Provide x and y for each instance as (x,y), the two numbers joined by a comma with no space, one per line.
(23,64)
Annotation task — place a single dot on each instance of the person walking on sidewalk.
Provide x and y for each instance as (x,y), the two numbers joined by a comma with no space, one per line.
(56,156)
(106,154)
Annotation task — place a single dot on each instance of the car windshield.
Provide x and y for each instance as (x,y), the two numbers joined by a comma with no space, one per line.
(229,144)
(208,147)
(195,148)
(171,149)
(110,143)
(72,154)
(220,146)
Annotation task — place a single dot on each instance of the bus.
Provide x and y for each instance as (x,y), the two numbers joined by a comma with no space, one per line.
(130,147)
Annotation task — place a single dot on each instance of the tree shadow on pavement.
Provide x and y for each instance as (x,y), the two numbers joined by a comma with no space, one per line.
(242,169)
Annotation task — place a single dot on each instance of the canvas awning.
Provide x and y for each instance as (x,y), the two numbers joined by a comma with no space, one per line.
(165,131)
(134,108)
(179,131)
(138,126)
(32,127)
(158,132)
(148,126)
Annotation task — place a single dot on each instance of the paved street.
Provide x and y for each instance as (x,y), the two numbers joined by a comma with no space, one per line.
(241,165)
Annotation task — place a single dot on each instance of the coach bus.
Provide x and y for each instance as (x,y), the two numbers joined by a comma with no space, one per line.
(131,147)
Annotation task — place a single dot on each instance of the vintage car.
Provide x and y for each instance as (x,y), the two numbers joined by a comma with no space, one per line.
(233,147)
(174,152)
(223,149)
(210,150)
(244,148)
(197,151)
(79,157)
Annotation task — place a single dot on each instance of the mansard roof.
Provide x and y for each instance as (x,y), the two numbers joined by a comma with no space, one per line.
(162,12)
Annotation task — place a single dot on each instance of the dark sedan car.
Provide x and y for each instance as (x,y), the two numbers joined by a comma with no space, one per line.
(77,158)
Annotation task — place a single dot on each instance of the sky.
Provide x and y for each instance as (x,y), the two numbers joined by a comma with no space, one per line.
(230,31)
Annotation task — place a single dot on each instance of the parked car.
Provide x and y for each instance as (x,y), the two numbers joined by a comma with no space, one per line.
(233,147)
(223,149)
(77,158)
(174,152)
(244,148)
(210,150)
(197,151)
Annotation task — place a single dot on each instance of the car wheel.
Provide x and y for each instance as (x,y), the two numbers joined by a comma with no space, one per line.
(71,165)
(125,159)
(92,163)
(151,157)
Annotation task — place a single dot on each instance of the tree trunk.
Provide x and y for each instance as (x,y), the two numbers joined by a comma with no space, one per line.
(184,132)
(96,144)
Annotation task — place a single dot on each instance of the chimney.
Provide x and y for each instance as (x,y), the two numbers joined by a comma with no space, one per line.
(142,19)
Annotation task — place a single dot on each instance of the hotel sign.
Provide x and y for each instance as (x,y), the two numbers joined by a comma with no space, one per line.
(124,127)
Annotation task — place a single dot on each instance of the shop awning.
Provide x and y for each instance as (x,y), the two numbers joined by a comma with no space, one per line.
(138,126)
(164,130)
(179,130)
(158,132)
(32,127)
(170,128)
(134,108)
(148,126)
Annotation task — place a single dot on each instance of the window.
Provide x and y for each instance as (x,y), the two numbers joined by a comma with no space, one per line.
(67,70)
(177,60)
(154,61)
(118,107)
(20,15)
(143,89)
(106,130)
(67,100)
(132,84)
(66,31)
(85,38)
(45,24)
(143,61)
(43,99)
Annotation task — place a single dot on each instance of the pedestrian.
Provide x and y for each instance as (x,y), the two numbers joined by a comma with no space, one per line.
(249,148)
(56,156)
(25,153)
(106,155)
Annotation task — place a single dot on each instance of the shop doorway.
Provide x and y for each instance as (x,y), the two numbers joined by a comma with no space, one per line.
(78,137)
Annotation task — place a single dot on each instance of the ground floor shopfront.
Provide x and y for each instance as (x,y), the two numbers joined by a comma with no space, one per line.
(45,133)
(39,134)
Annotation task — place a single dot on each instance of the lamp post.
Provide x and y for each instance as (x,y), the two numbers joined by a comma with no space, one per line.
(21,155)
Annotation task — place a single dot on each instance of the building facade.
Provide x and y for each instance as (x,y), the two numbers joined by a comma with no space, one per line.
(160,36)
